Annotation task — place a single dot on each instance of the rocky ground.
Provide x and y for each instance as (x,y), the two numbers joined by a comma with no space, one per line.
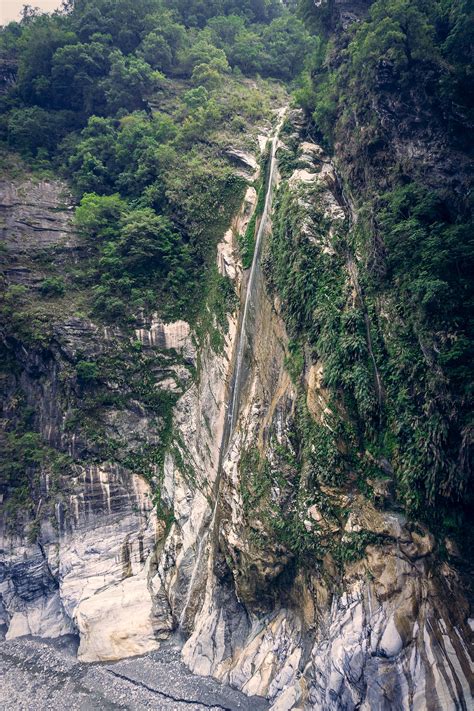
(43,675)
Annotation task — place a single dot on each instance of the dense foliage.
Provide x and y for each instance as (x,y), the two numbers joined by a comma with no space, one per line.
(413,48)
(401,76)
(123,97)
(106,58)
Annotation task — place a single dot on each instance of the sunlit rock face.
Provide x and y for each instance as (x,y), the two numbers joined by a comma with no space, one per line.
(94,558)
(176,335)
(103,565)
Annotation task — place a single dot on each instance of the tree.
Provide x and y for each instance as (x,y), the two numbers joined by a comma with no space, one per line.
(224,30)
(157,52)
(196,98)
(287,44)
(75,72)
(33,129)
(200,122)
(92,165)
(137,150)
(87,371)
(164,34)
(130,80)
(39,41)
(203,52)
(207,75)
(398,32)
(99,217)
(453,23)
(195,13)
(123,20)
(247,52)
(53,286)
(147,242)
(29,13)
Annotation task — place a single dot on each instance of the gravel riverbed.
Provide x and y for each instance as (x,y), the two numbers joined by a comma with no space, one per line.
(37,674)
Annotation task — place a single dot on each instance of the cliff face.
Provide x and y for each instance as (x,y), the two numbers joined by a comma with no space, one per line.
(84,544)
(118,475)
(298,607)
(315,595)
(291,576)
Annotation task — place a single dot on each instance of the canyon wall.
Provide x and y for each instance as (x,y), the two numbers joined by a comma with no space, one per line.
(323,597)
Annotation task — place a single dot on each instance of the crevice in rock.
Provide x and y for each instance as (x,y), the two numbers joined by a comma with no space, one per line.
(177,699)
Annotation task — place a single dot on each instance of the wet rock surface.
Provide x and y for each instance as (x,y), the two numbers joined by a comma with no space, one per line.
(39,675)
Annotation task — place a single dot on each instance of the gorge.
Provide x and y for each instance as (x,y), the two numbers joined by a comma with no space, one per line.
(235,357)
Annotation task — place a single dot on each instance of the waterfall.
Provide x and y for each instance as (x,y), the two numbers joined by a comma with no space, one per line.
(238,368)
(242,342)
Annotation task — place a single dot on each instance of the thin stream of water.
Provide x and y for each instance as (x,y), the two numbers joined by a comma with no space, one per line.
(242,343)
(233,410)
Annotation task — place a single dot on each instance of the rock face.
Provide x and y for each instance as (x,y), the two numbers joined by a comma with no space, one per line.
(80,563)
(94,558)
(36,216)
(89,573)
(387,630)
(383,633)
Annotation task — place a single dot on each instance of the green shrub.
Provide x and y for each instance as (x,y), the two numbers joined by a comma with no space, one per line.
(53,286)
(87,371)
